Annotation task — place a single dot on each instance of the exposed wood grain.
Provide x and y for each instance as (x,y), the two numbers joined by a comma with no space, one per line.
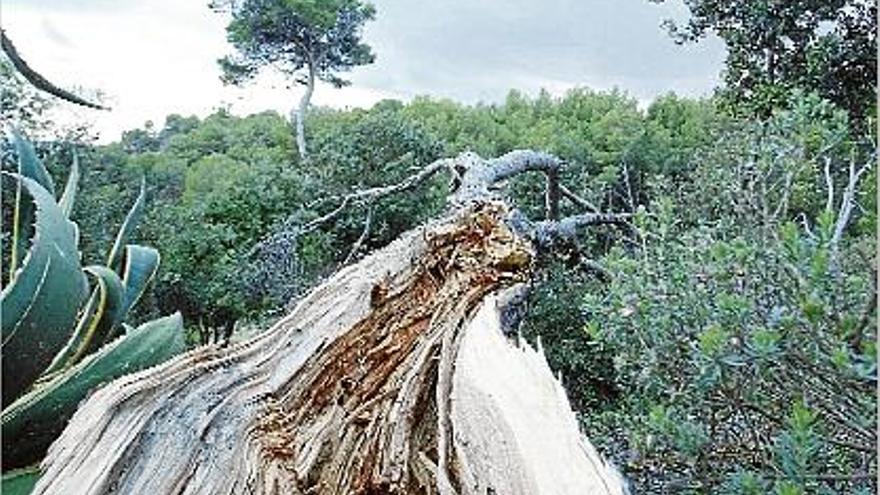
(412,391)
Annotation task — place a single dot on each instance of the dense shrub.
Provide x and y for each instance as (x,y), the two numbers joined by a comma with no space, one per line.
(742,335)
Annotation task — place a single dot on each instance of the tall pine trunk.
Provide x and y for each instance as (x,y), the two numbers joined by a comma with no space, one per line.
(299,114)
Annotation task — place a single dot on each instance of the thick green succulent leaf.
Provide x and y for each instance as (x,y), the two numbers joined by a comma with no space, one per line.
(139,268)
(30,166)
(98,320)
(20,481)
(33,422)
(38,308)
(69,194)
(114,259)
(64,357)
(109,311)
(22,229)
(22,220)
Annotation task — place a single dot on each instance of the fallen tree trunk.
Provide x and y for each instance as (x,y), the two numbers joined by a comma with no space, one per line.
(396,375)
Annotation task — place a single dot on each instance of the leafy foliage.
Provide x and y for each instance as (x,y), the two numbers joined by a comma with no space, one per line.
(743,347)
(775,47)
(323,37)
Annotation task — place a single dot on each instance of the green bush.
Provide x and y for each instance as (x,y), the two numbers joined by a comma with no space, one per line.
(742,339)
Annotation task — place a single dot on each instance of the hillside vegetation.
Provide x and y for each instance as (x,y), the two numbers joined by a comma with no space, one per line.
(724,344)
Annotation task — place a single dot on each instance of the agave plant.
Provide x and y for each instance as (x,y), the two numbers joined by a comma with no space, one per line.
(63,336)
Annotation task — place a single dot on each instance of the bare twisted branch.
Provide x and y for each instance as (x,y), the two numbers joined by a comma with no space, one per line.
(475,179)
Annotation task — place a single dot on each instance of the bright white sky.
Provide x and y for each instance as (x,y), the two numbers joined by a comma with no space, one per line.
(156,57)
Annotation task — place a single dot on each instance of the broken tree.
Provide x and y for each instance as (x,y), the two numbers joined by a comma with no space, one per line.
(396,375)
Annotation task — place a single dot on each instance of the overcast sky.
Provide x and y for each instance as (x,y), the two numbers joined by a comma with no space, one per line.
(155,57)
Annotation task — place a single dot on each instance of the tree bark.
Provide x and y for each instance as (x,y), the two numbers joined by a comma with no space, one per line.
(393,376)
(299,113)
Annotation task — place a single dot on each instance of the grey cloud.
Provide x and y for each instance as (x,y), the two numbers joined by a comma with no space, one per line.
(479,49)
(470,49)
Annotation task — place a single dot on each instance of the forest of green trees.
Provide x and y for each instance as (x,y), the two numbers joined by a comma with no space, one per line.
(723,342)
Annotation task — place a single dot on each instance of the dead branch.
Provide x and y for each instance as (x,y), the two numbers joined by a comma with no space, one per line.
(360,240)
(829,185)
(369,196)
(781,210)
(805,223)
(480,176)
(545,233)
(476,180)
(577,200)
(272,265)
(847,201)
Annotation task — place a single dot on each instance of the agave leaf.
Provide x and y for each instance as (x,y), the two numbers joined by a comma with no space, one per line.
(103,312)
(20,481)
(22,220)
(109,312)
(63,358)
(31,423)
(39,306)
(139,269)
(134,216)
(30,166)
(69,194)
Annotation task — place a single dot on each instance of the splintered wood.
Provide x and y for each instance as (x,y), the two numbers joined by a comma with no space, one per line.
(391,377)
